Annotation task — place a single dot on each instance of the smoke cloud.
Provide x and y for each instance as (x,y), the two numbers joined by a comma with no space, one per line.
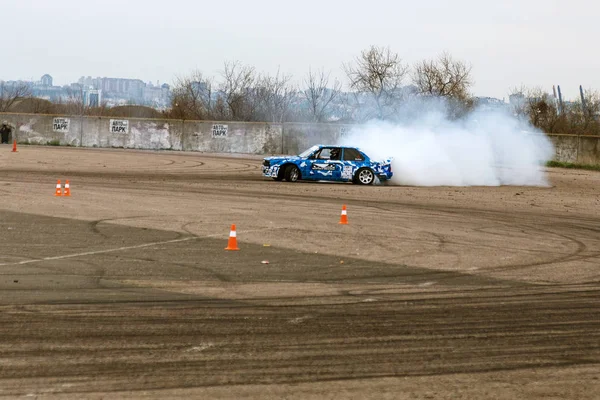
(485,148)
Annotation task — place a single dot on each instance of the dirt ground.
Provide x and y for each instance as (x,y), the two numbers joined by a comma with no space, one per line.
(124,289)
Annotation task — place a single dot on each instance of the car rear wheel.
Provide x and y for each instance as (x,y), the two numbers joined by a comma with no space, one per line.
(364,176)
(292,173)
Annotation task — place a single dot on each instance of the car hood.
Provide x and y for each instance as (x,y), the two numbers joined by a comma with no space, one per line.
(281,158)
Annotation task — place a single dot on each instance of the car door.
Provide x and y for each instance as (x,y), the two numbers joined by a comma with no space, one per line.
(336,163)
(305,166)
(321,166)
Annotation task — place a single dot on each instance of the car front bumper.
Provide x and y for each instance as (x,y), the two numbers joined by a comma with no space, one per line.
(271,171)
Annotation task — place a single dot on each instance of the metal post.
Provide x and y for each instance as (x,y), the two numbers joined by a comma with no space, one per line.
(583,102)
(81,131)
(560,102)
(282,136)
(183,135)
(81,119)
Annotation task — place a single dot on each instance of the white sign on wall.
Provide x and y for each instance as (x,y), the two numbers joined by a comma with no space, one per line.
(119,126)
(219,130)
(61,124)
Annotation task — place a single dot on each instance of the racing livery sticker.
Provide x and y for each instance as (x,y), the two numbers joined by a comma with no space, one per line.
(324,167)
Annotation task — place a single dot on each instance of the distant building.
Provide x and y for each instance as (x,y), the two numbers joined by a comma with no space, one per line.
(46,80)
(516,99)
(119,91)
(92,97)
(490,103)
(96,91)
(45,89)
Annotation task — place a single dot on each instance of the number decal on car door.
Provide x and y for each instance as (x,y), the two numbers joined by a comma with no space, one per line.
(347,172)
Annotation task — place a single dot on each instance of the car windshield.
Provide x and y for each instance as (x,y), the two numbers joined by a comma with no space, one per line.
(308,152)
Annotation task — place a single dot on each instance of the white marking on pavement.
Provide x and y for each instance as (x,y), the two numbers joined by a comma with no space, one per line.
(202,347)
(139,246)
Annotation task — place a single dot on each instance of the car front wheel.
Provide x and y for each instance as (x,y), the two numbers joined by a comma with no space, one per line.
(364,176)
(292,173)
(280,174)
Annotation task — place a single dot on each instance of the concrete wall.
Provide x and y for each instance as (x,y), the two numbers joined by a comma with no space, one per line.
(576,149)
(251,138)
(37,129)
(241,137)
(589,150)
(566,147)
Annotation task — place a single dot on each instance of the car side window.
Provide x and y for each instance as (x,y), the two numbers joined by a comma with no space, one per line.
(324,154)
(335,153)
(352,155)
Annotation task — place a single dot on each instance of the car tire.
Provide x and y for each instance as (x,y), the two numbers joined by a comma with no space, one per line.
(292,173)
(280,175)
(364,176)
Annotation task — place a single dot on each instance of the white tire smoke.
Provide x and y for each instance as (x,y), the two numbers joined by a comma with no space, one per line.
(484,149)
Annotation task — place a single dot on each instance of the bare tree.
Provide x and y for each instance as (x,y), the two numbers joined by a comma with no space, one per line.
(9,94)
(192,97)
(444,77)
(238,81)
(284,101)
(378,73)
(34,105)
(590,105)
(345,108)
(319,95)
(75,102)
(273,96)
(583,115)
(539,107)
(518,101)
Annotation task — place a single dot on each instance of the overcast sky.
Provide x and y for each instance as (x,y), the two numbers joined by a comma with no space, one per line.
(509,43)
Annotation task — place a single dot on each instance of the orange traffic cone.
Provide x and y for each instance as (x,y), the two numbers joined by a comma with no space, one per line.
(58,189)
(232,243)
(344,217)
(14,146)
(67,188)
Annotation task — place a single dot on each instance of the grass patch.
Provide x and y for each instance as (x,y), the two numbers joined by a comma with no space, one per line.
(54,142)
(560,164)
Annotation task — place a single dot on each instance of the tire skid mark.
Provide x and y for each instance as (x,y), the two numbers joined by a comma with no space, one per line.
(96,230)
(443,247)
(574,255)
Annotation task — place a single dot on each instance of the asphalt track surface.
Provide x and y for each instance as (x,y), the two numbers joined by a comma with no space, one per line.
(124,289)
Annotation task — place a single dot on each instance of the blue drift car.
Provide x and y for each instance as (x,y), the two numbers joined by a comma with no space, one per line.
(328,163)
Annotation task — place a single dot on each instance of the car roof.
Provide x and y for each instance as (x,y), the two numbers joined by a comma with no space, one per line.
(336,145)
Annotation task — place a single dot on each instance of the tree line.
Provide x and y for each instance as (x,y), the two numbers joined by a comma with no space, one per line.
(379,82)
(380,85)
(545,112)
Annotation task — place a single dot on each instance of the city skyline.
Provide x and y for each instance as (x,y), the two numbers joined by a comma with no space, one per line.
(100,90)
